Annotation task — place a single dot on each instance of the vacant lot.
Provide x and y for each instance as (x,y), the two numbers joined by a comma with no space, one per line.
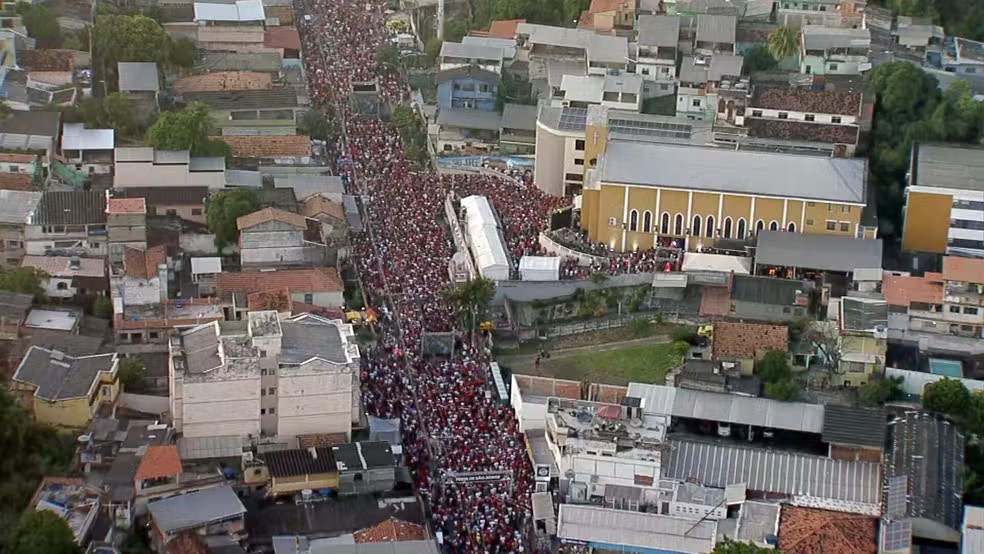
(640,361)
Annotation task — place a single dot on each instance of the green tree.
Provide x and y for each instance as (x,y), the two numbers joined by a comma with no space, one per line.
(43,531)
(102,307)
(877,391)
(471,300)
(946,396)
(223,209)
(131,373)
(774,367)
(319,123)
(190,129)
(128,38)
(680,348)
(758,58)
(729,546)
(388,59)
(784,42)
(119,114)
(785,390)
(432,48)
(42,24)
(183,53)
(25,280)
(31,451)
(513,90)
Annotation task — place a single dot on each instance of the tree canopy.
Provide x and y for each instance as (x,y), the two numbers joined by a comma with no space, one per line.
(471,300)
(42,531)
(774,367)
(784,42)
(786,390)
(223,209)
(319,123)
(128,38)
(877,391)
(189,129)
(26,280)
(910,107)
(961,18)
(758,58)
(946,396)
(31,450)
(42,24)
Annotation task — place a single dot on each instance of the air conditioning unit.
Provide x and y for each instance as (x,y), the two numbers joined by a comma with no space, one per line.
(701,60)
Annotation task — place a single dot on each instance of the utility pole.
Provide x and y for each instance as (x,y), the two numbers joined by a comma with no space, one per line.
(440,19)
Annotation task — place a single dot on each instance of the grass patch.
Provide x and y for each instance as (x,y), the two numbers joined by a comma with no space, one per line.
(660,105)
(642,364)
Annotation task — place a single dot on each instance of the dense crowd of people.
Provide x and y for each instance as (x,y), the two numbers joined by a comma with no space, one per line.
(449,424)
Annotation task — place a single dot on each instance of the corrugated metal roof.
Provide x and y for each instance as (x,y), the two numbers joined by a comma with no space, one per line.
(208,448)
(471,51)
(76,137)
(854,426)
(817,480)
(606,526)
(736,172)
(194,509)
(16,205)
(760,412)
(242,10)
(822,252)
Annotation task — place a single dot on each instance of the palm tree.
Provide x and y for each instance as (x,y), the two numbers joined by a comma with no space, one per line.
(471,300)
(784,43)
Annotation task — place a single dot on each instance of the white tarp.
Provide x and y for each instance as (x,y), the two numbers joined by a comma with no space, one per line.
(490,256)
(76,137)
(701,261)
(539,268)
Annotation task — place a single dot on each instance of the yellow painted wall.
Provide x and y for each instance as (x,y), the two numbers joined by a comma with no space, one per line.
(927,222)
(280,486)
(73,413)
(599,206)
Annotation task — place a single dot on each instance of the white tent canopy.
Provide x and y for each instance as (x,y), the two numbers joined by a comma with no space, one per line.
(490,256)
(539,268)
(699,261)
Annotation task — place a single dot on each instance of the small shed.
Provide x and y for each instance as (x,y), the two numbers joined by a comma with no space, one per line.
(365,467)
(539,268)
(203,272)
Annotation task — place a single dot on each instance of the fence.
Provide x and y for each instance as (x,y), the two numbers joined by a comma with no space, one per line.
(551,245)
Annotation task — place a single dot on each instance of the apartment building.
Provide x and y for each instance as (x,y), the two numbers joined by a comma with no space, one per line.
(941,312)
(15,208)
(271,375)
(562,135)
(68,223)
(146,167)
(701,78)
(834,51)
(796,119)
(658,41)
(600,54)
(126,223)
(703,194)
(944,200)
(63,390)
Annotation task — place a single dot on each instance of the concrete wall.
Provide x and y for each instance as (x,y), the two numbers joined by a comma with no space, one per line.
(230,407)
(314,399)
(321,299)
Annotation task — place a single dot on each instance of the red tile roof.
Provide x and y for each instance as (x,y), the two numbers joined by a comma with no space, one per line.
(745,340)
(187,543)
(812,531)
(17,158)
(159,461)
(317,205)
(224,81)
(266,146)
(715,301)
(142,264)
(282,37)
(966,270)
(126,206)
(321,279)
(15,181)
(502,28)
(801,131)
(902,291)
(46,60)
(599,6)
(835,102)
(391,530)
(270,214)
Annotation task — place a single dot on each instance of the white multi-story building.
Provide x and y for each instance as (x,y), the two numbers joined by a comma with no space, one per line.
(834,51)
(270,375)
(700,78)
(659,37)
(621,91)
